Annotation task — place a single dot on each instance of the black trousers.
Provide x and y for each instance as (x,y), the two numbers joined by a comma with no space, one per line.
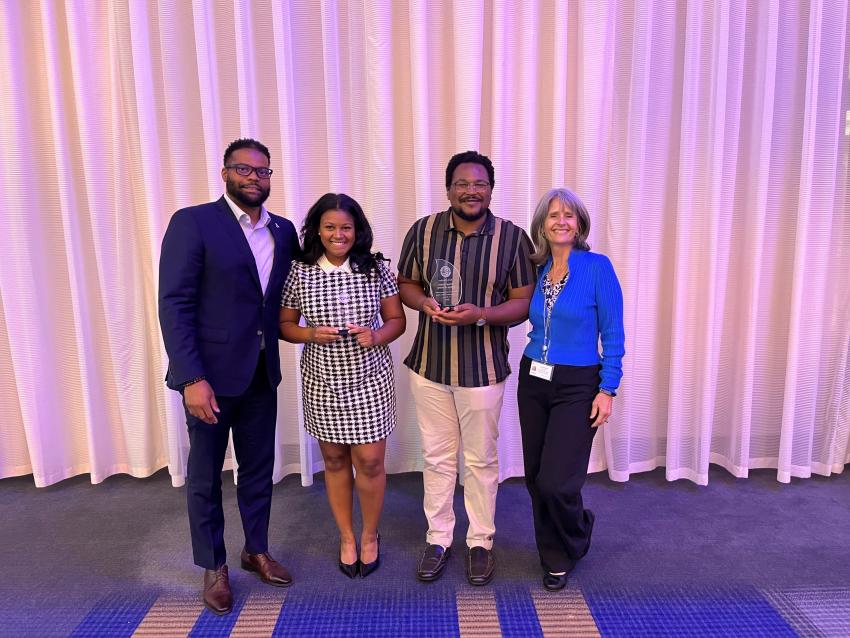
(556,440)
(252,417)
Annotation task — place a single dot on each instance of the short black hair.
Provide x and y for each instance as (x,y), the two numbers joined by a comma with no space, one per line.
(362,259)
(246,142)
(469,157)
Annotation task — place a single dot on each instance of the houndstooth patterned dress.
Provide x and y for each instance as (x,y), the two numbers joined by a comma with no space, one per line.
(348,390)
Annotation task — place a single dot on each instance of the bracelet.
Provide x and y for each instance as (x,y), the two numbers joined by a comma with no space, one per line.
(610,393)
(195,380)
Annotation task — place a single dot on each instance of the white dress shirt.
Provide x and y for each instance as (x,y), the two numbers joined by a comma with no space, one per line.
(261,242)
(259,238)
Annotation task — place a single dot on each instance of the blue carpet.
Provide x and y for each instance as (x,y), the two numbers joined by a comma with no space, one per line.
(117,615)
(737,558)
(315,612)
(737,613)
(517,615)
(510,611)
(210,625)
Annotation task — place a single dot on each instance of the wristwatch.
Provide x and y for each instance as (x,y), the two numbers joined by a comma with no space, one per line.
(610,393)
(482,320)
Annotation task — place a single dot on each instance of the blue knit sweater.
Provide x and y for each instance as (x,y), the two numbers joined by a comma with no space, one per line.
(589,307)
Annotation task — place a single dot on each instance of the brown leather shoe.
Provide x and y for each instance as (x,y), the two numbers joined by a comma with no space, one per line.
(432,563)
(217,596)
(480,565)
(267,568)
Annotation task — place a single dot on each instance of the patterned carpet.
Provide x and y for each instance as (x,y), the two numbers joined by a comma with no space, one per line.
(741,557)
(493,611)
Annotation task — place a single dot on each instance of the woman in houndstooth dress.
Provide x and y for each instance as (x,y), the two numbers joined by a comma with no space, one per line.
(350,304)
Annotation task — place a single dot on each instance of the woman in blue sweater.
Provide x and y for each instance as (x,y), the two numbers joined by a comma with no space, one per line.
(566,388)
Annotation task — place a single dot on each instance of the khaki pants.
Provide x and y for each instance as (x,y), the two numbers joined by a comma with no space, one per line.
(448,416)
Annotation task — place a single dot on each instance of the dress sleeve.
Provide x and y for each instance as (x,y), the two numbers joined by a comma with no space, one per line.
(609,304)
(291,295)
(389,285)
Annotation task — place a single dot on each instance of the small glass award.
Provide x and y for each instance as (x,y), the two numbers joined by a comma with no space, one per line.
(446,285)
(344,312)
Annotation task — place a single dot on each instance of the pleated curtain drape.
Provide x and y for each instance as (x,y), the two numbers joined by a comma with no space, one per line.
(710,140)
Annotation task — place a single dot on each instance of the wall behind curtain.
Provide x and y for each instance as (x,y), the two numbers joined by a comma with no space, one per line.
(707,138)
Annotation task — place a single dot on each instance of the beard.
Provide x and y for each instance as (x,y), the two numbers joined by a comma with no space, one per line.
(470,217)
(247,199)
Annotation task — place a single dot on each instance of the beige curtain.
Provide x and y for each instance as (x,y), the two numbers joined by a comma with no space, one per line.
(709,138)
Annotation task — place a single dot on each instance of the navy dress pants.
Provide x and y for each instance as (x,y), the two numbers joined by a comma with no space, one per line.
(252,417)
(556,441)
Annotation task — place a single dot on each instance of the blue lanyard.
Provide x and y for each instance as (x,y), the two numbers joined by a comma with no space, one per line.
(551,292)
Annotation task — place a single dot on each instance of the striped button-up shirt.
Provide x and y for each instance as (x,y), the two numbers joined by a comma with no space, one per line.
(491,261)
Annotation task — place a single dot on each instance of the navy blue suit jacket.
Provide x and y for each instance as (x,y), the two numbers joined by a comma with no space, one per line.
(212,309)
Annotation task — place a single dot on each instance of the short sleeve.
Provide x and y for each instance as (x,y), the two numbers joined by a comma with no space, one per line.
(523,272)
(408,264)
(291,295)
(389,285)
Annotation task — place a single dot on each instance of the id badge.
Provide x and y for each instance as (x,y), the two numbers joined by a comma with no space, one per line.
(541,370)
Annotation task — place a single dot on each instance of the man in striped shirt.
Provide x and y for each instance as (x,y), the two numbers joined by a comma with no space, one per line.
(459,359)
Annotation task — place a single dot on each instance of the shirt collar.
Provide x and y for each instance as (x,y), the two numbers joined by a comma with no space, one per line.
(243,218)
(325,264)
(486,228)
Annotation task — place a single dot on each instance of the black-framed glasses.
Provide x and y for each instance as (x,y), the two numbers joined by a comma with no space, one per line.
(476,187)
(244,170)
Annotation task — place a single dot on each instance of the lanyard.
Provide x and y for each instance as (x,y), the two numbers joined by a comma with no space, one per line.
(551,292)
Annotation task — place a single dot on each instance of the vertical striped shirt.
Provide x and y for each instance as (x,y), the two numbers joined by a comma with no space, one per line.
(492,260)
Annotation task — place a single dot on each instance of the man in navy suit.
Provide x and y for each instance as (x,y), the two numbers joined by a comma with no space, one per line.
(221,271)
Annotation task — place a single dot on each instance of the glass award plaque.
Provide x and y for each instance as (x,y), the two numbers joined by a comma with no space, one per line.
(446,285)
(344,312)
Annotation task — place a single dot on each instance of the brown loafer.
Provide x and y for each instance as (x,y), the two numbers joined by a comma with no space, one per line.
(432,563)
(217,595)
(267,568)
(480,565)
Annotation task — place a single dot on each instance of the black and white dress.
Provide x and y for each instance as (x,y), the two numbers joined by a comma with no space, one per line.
(348,390)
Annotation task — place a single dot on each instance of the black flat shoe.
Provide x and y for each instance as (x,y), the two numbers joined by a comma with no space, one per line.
(349,570)
(553,582)
(368,568)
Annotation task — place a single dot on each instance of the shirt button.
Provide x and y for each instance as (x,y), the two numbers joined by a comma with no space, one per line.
(259,333)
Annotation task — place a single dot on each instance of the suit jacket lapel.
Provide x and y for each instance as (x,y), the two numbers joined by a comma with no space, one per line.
(234,231)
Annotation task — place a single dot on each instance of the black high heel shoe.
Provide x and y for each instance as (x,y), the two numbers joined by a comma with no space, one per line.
(349,570)
(368,568)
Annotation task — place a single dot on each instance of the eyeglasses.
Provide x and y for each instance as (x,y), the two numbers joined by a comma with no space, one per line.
(475,187)
(244,170)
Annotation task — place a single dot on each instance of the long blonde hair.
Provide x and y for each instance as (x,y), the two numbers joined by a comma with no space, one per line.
(573,202)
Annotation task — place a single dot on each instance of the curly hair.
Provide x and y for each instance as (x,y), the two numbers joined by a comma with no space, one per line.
(245,142)
(361,257)
(469,157)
